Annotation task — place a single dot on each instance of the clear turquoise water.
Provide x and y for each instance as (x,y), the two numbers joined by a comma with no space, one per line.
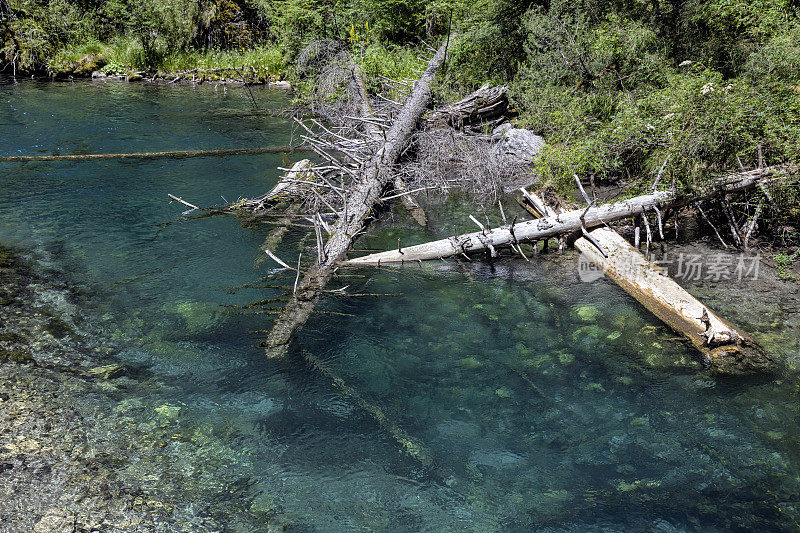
(536,416)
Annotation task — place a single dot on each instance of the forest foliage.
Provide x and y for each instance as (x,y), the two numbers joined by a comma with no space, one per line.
(619,88)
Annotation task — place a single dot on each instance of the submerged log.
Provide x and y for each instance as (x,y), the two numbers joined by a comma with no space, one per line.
(724,348)
(568,222)
(362,197)
(176,154)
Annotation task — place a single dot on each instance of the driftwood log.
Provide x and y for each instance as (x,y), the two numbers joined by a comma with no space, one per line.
(362,197)
(567,222)
(482,110)
(724,348)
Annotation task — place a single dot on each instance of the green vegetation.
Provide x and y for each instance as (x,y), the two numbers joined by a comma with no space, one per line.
(621,88)
(784,262)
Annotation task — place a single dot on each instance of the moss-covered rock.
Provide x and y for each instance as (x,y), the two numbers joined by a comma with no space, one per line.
(588,313)
(88,64)
(199,317)
(107,371)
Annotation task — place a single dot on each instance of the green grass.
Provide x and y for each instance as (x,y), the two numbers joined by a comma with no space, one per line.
(126,54)
(267,62)
(82,59)
(784,262)
(393,62)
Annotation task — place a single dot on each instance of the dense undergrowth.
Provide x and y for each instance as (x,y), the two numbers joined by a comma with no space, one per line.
(620,89)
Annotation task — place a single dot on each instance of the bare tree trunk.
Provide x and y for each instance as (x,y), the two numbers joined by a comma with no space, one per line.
(725,349)
(568,222)
(377,133)
(361,198)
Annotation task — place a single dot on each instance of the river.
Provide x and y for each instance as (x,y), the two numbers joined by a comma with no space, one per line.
(544,403)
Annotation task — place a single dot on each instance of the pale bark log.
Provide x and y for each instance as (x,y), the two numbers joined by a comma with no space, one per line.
(361,198)
(534,230)
(376,133)
(724,348)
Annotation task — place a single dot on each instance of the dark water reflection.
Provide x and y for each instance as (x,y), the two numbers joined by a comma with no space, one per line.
(544,403)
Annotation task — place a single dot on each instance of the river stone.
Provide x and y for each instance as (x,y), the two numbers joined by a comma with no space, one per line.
(55,521)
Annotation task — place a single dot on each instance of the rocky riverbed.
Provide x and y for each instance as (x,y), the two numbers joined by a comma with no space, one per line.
(65,440)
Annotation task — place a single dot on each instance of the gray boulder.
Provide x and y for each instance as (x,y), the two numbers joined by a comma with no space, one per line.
(516,145)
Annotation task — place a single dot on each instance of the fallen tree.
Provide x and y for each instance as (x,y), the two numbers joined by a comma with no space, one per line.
(724,348)
(362,196)
(567,222)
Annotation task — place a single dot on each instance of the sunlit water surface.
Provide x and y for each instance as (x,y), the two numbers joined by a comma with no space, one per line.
(531,400)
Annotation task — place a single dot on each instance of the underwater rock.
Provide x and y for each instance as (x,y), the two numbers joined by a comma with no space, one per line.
(588,313)
(597,387)
(168,411)
(107,371)
(587,336)
(566,358)
(15,355)
(199,317)
(550,504)
(470,363)
(55,521)
(263,504)
(496,458)
(503,392)
(459,429)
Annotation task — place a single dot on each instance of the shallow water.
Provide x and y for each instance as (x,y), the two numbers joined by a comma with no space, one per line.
(534,401)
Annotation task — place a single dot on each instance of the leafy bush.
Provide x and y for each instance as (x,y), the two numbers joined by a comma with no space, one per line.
(699,123)
(392,62)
